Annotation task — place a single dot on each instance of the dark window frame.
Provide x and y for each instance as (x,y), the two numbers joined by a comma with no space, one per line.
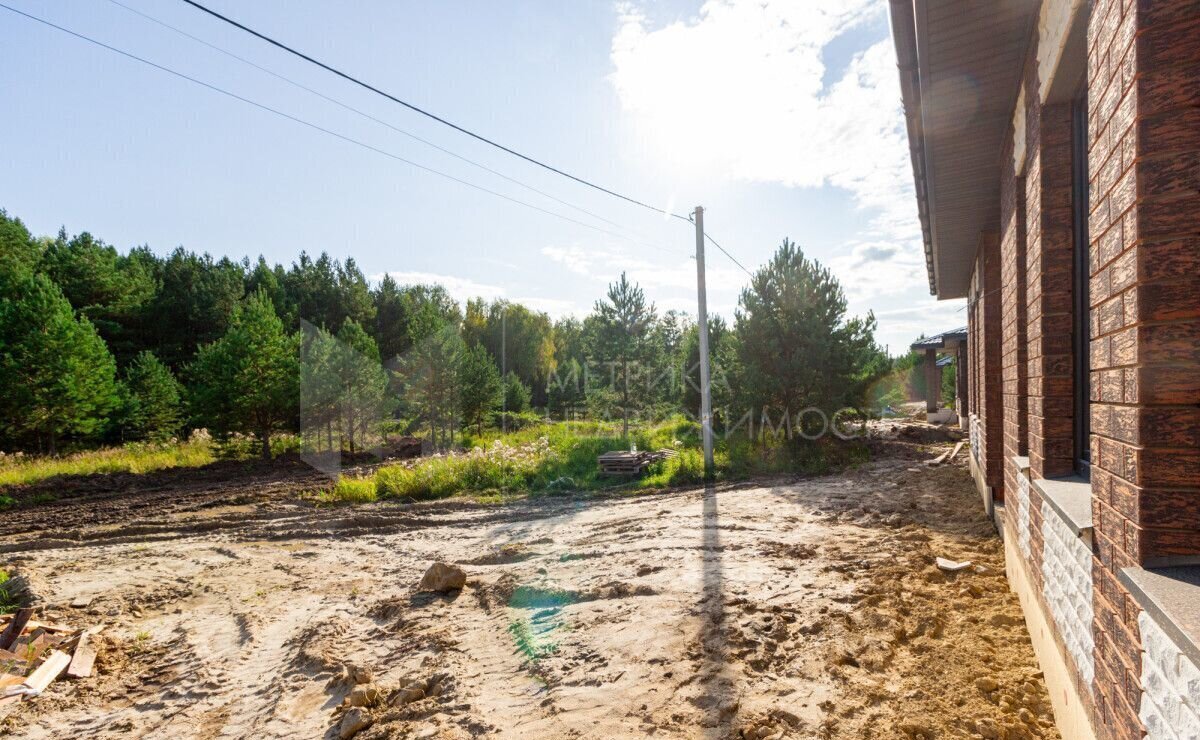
(1081,275)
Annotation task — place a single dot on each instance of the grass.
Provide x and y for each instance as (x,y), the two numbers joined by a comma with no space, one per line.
(132,458)
(350,491)
(554,456)
(7,602)
(141,643)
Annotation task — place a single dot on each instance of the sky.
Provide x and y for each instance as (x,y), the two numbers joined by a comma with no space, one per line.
(781,117)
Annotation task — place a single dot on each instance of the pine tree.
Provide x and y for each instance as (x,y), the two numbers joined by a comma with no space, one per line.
(247,380)
(622,329)
(153,400)
(19,253)
(516,394)
(362,382)
(57,376)
(482,389)
(430,373)
(796,348)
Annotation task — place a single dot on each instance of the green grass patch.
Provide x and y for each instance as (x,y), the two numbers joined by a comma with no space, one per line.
(350,491)
(8,602)
(131,458)
(550,457)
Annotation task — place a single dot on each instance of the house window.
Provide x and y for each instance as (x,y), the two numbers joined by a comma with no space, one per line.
(1080,274)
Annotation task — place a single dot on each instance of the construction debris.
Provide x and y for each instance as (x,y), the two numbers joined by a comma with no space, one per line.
(631,463)
(946,456)
(33,654)
(952,566)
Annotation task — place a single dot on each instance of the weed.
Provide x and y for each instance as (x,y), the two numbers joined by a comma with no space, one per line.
(140,643)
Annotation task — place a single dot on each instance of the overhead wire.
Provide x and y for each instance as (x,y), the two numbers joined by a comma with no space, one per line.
(461,129)
(426,113)
(368,116)
(311,125)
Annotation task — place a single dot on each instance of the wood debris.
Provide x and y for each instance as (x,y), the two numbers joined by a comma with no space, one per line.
(946,456)
(631,463)
(33,654)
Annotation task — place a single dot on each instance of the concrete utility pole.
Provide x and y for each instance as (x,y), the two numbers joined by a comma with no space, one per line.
(705,386)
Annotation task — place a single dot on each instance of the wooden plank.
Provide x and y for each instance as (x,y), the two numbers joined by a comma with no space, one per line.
(15,627)
(49,670)
(49,627)
(954,454)
(82,660)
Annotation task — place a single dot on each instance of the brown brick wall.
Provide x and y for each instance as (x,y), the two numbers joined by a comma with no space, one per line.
(1048,285)
(1013,304)
(1144,160)
(985,372)
(1144,131)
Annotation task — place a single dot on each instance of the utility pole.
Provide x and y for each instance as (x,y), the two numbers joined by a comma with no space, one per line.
(705,386)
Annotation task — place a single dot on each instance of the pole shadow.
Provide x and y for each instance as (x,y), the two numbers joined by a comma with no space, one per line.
(719,698)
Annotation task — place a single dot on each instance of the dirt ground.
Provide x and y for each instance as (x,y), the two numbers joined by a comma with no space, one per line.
(808,608)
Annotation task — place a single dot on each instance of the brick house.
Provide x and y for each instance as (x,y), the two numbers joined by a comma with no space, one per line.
(1056,154)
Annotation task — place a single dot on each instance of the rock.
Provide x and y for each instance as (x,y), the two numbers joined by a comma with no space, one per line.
(363,696)
(353,722)
(359,674)
(442,578)
(407,696)
(986,685)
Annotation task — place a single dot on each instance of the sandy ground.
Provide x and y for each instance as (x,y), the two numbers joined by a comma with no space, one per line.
(792,609)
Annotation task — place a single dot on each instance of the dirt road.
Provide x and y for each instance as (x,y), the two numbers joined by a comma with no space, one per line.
(804,609)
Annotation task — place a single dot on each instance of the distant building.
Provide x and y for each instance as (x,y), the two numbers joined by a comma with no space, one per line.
(1056,154)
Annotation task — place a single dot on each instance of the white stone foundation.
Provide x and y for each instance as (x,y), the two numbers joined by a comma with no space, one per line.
(1170,686)
(1067,588)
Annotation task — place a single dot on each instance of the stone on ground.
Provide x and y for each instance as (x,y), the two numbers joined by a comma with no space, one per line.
(442,578)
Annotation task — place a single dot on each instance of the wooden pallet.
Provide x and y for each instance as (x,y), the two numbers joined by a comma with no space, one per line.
(631,463)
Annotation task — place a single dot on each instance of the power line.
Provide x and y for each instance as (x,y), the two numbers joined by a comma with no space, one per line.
(428,114)
(456,127)
(313,126)
(362,113)
(727,254)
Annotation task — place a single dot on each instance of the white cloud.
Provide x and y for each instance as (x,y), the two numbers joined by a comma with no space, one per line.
(740,92)
(606,265)
(742,86)
(460,289)
(557,308)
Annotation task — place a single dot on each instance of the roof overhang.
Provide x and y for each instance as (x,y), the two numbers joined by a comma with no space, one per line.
(947,340)
(960,64)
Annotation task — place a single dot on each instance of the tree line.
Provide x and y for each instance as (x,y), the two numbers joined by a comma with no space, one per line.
(103,346)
